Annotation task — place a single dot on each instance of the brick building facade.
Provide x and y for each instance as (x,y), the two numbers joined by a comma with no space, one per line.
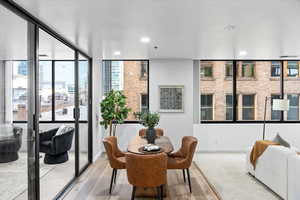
(135,85)
(255,81)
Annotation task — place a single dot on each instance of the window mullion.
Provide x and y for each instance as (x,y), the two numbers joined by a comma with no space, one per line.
(53,90)
(282,88)
(234,95)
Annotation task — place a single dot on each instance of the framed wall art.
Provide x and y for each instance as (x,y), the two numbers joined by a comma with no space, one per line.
(171,98)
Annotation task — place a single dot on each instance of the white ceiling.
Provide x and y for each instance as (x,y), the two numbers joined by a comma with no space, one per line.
(180,28)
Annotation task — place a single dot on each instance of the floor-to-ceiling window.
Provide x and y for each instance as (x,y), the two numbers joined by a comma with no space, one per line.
(38,94)
(131,77)
(239,90)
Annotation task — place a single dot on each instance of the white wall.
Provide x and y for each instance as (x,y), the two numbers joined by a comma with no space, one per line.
(173,72)
(239,137)
(97,91)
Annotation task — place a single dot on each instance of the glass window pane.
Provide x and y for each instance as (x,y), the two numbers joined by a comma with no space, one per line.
(45,78)
(275,114)
(64,90)
(19,90)
(83,73)
(129,77)
(252,92)
(248,100)
(229,69)
(206,69)
(293,112)
(292,68)
(215,89)
(248,113)
(247,69)
(275,68)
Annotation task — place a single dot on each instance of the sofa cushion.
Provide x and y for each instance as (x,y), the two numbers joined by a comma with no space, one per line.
(281,141)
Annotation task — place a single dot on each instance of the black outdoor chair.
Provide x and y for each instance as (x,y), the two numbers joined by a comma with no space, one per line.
(56,147)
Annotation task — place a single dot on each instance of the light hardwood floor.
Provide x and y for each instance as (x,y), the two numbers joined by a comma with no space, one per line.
(94,185)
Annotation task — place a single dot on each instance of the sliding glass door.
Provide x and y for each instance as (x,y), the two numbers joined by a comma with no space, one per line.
(45,109)
(57,117)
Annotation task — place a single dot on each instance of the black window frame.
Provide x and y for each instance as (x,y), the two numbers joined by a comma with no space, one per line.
(147,79)
(53,120)
(236,62)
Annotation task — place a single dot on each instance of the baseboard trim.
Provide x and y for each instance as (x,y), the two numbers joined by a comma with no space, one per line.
(221,152)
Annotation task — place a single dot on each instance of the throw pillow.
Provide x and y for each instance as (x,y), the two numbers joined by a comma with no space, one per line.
(281,141)
(61,130)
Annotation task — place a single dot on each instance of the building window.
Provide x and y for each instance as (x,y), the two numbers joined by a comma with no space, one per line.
(275,114)
(248,69)
(206,107)
(248,107)
(206,70)
(275,68)
(229,107)
(144,102)
(293,113)
(144,69)
(292,68)
(228,69)
(130,77)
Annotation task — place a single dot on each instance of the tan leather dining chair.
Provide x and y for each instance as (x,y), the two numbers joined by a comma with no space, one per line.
(147,171)
(159,132)
(115,156)
(182,159)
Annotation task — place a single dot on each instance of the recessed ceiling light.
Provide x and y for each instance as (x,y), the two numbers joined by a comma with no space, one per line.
(243,53)
(145,39)
(117,53)
(229,27)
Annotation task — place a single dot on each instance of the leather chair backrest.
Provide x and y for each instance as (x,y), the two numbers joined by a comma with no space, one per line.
(111,147)
(159,132)
(188,148)
(146,170)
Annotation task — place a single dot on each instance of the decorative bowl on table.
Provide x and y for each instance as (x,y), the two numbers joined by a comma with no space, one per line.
(150,149)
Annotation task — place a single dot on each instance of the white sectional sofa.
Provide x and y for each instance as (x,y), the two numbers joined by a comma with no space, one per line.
(279,169)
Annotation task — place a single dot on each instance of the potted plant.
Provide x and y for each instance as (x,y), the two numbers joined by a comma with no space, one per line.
(113,111)
(149,120)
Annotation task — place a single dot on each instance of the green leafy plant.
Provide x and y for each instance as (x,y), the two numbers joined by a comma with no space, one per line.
(114,111)
(147,119)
